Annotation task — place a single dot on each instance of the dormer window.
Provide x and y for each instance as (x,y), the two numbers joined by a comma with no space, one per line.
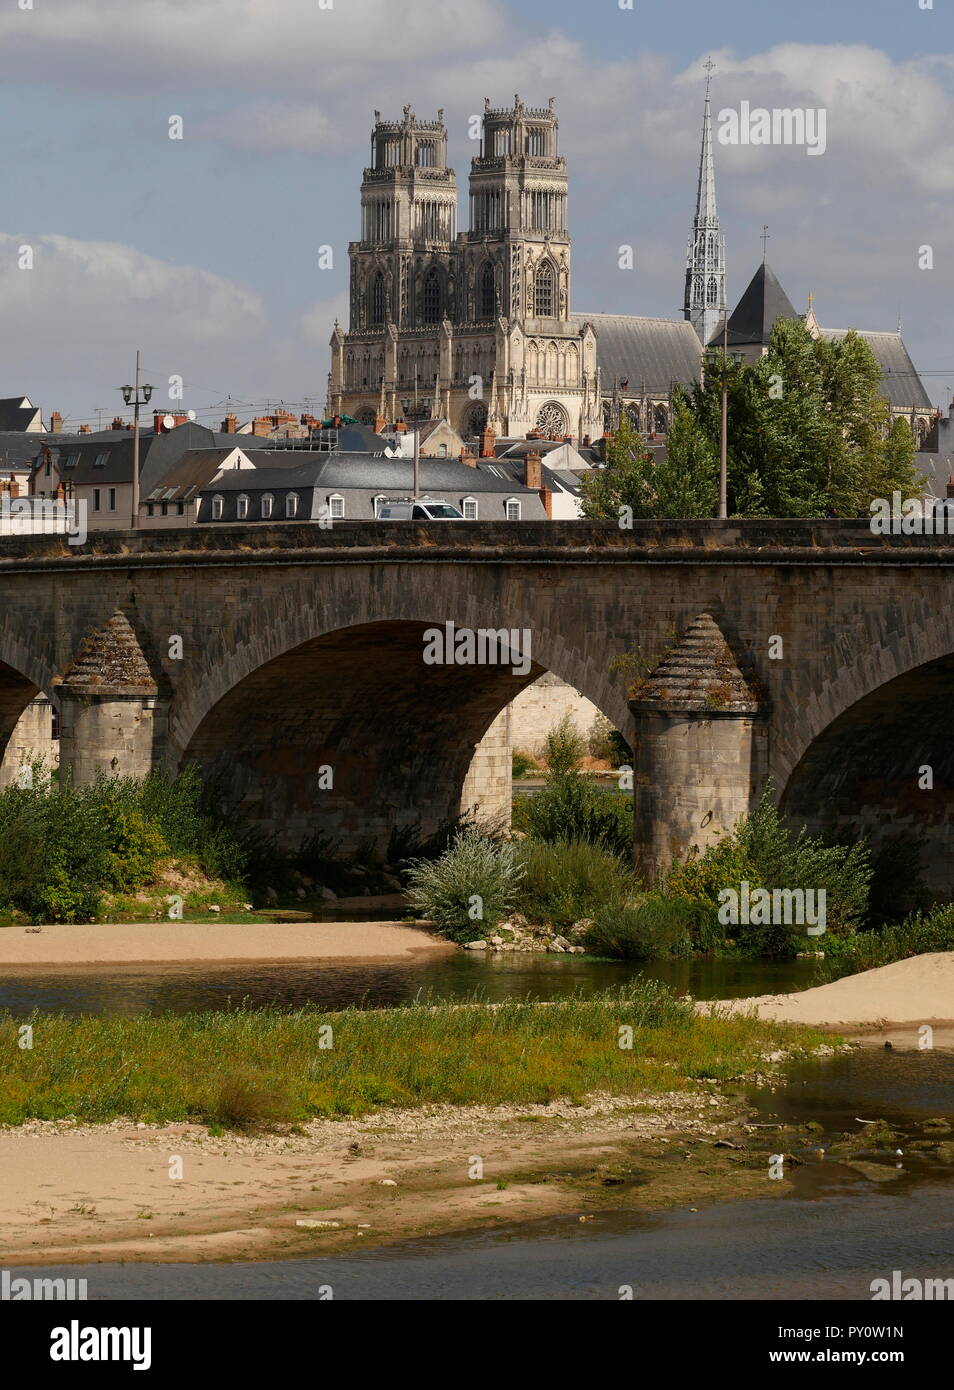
(242,509)
(102,459)
(268,504)
(336,508)
(218,504)
(291,505)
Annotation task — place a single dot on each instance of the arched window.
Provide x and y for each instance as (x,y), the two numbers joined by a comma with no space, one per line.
(268,504)
(378,298)
(543,296)
(426,154)
(470,508)
(712,294)
(242,509)
(218,503)
(488,292)
(660,419)
(291,505)
(432,296)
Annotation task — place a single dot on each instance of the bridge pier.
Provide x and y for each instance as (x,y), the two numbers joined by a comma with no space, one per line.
(701,754)
(109,708)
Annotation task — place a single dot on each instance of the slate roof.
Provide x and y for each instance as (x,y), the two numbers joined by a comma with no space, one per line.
(18,450)
(753,318)
(651,354)
(17,413)
(337,471)
(901,385)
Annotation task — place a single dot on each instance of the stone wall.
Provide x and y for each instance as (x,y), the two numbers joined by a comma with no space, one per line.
(32,738)
(540,707)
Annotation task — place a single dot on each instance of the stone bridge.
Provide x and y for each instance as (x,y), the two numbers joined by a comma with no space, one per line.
(289,662)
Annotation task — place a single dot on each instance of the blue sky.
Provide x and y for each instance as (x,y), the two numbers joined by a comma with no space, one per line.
(203,251)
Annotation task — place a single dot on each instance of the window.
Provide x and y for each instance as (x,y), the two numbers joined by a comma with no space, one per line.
(378,298)
(543,298)
(537,140)
(712,293)
(268,503)
(376,502)
(165,509)
(426,154)
(336,507)
(101,459)
(242,511)
(218,504)
(442,451)
(96,500)
(470,508)
(513,509)
(291,504)
(150,509)
(180,509)
(112,499)
(432,297)
(488,292)
(71,461)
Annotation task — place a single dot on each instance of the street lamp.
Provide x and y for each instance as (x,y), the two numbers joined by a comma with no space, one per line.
(132,397)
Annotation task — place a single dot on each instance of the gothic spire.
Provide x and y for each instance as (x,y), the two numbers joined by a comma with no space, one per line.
(705,261)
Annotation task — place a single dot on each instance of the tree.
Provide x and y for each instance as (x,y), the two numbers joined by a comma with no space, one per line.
(623,481)
(685,481)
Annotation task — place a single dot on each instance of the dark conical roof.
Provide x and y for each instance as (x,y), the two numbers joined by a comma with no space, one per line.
(111,662)
(754,316)
(698,675)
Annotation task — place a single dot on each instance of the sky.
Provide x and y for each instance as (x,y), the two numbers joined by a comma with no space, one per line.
(204,251)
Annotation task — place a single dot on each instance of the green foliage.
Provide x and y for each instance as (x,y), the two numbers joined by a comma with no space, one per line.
(570,806)
(567,880)
(653,929)
(469,889)
(135,847)
(607,743)
(624,480)
(522,763)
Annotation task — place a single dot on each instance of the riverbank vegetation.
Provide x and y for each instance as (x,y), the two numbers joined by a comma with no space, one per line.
(264,1067)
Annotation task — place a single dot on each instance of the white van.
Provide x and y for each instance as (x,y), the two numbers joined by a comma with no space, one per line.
(424,509)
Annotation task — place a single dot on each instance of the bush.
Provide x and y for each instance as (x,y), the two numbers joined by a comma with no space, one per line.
(569,879)
(652,929)
(563,747)
(521,763)
(607,743)
(135,848)
(469,889)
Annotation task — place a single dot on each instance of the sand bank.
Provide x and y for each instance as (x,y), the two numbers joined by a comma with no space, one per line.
(186,942)
(905,994)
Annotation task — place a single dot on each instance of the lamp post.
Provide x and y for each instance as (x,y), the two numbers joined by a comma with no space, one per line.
(131,396)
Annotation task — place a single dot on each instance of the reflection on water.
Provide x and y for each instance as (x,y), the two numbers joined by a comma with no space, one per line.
(135,990)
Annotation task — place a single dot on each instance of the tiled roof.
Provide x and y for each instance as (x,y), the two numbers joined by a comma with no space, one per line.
(651,354)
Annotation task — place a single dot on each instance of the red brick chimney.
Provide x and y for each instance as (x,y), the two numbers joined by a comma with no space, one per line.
(118,423)
(380,424)
(261,426)
(158,416)
(533,469)
(546,497)
(466,457)
(487,441)
(85,429)
(230,424)
(56,423)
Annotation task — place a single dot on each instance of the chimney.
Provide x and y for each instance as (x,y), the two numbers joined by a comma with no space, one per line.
(533,469)
(85,429)
(261,426)
(13,487)
(230,424)
(56,423)
(466,457)
(401,427)
(487,441)
(950,487)
(586,441)
(546,497)
(118,423)
(380,424)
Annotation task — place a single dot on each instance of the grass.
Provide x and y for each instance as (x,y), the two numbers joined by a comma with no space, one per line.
(247,1068)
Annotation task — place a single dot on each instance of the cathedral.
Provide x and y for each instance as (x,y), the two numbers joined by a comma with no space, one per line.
(475,327)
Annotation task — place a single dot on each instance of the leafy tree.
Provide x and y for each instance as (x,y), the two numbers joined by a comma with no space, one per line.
(625,479)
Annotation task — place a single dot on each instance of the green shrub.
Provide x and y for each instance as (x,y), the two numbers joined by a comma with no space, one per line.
(469,889)
(521,763)
(650,930)
(135,848)
(604,741)
(563,747)
(569,879)
(919,934)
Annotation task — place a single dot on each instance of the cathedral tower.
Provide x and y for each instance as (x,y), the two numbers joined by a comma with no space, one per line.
(400,267)
(705,261)
(516,255)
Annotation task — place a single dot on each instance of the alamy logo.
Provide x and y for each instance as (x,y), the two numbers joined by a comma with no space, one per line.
(43,516)
(911,1290)
(465,646)
(781,126)
(776,907)
(75,1343)
(39,1290)
(910,516)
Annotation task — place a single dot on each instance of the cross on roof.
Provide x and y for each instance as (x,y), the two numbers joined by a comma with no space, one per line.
(710,69)
(765,239)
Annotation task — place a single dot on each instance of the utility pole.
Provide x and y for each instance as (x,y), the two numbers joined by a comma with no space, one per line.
(131,394)
(417,459)
(724,442)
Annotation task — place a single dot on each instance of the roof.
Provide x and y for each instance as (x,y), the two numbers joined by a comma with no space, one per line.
(19,413)
(651,354)
(901,385)
(754,316)
(510,472)
(340,471)
(18,449)
(183,479)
